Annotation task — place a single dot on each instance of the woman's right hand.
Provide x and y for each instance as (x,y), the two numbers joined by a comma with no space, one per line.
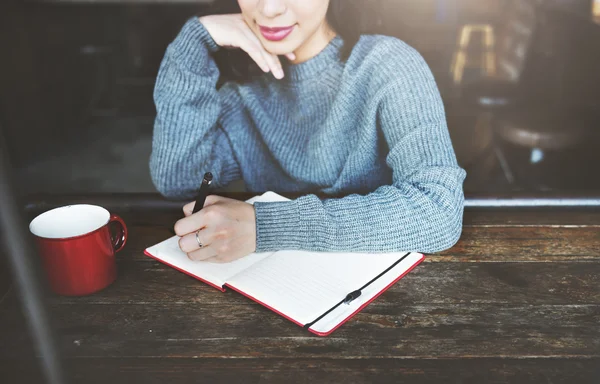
(232,31)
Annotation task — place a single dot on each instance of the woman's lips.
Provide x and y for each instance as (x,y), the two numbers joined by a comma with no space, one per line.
(276,33)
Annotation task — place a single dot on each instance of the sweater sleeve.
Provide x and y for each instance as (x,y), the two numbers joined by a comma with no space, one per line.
(421,211)
(187,139)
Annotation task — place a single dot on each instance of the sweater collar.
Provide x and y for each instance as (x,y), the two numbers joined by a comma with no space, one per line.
(314,66)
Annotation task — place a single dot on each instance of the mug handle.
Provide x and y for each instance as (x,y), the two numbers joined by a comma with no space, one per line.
(118,242)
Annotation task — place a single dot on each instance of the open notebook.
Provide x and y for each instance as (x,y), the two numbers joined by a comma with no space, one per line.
(316,290)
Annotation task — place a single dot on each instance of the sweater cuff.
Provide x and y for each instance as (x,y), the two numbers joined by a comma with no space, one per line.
(276,225)
(193,43)
(290,225)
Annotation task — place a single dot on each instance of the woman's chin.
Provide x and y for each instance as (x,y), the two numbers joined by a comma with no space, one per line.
(279,47)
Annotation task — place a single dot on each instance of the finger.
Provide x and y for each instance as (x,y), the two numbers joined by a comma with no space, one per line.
(210,200)
(291,56)
(192,223)
(255,53)
(202,254)
(187,209)
(271,60)
(189,243)
(213,199)
(279,69)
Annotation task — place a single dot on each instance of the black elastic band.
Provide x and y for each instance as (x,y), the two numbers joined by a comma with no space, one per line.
(354,294)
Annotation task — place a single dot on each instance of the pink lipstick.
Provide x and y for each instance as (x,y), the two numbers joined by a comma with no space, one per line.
(276,33)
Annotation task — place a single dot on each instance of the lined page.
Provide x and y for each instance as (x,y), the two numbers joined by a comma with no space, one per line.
(303,285)
(169,252)
(328,323)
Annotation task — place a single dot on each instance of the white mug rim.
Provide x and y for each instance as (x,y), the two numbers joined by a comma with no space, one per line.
(96,227)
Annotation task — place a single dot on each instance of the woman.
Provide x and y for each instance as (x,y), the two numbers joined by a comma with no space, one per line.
(332,112)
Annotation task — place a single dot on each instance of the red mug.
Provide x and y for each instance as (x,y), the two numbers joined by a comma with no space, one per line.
(78,248)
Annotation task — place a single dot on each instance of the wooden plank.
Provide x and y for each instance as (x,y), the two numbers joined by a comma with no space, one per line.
(434,283)
(415,331)
(301,370)
(148,208)
(536,218)
(493,244)
(140,238)
(471,218)
(477,244)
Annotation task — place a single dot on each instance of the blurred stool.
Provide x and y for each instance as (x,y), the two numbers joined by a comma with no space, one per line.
(537,130)
(541,145)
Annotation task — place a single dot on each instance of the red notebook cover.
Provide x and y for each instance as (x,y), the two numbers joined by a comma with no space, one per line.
(379,273)
(310,329)
(345,319)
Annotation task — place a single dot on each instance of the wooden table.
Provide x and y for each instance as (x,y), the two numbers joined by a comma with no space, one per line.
(517,300)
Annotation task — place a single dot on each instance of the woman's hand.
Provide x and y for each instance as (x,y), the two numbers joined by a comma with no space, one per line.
(232,31)
(227,230)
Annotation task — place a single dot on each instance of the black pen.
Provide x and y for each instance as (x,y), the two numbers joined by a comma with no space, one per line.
(203,192)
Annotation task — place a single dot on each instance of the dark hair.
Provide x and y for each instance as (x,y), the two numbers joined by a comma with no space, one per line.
(345,17)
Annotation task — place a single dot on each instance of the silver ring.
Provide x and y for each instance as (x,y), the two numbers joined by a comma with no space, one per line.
(198,240)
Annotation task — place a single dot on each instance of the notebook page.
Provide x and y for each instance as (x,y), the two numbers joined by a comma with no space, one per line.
(168,252)
(303,285)
(333,319)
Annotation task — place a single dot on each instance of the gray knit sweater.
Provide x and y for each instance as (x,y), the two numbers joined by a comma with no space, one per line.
(371,130)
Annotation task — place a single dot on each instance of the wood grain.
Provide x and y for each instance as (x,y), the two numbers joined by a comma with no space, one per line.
(535,218)
(488,236)
(516,300)
(243,331)
(492,244)
(434,283)
(477,244)
(150,208)
(302,370)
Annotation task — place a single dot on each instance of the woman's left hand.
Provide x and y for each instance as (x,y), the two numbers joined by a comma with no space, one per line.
(227,230)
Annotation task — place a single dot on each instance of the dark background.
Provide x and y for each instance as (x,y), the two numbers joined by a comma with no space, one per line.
(77,78)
